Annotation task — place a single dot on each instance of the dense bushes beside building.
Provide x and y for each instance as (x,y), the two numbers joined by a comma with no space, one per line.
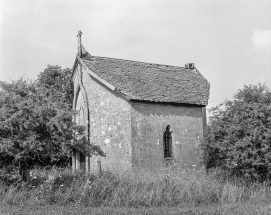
(36,128)
(239,133)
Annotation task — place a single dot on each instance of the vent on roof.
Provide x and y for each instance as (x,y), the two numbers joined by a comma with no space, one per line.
(189,66)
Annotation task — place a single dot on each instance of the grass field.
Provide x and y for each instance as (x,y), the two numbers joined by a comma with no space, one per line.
(231,209)
(190,192)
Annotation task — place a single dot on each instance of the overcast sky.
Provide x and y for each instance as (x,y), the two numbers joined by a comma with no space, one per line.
(229,41)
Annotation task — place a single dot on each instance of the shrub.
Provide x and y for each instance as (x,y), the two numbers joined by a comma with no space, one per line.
(36,127)
(239,134)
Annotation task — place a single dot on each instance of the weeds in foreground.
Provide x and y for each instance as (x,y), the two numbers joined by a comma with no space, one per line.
(131,189)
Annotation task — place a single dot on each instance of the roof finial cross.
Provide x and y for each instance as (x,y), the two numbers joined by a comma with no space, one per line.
(79,33)
(79,43)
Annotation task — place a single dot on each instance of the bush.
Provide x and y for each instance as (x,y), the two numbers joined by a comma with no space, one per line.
(239,134)
(36,127)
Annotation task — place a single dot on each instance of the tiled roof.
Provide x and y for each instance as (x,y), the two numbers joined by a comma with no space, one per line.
(151,82)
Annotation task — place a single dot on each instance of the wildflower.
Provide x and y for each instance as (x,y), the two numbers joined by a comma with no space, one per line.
(51,177)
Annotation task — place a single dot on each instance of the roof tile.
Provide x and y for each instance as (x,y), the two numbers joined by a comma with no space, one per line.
(151,82)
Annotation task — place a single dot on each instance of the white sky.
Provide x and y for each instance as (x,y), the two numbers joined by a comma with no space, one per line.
(228,40)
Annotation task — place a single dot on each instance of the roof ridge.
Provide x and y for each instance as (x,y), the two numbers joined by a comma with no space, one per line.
(153,64)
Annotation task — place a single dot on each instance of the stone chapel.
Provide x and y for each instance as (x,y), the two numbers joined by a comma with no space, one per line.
(142,115)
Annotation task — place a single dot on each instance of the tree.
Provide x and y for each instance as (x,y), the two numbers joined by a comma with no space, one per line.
(36,127)
(239,133)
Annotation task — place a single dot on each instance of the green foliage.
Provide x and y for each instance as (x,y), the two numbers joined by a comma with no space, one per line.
(36,127)
(239,133)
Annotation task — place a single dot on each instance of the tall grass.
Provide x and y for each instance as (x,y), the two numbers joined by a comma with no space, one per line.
(131,189)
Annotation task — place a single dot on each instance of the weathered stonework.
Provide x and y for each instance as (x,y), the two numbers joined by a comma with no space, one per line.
(110,127)
(126,107)
(131,133)
(149,123)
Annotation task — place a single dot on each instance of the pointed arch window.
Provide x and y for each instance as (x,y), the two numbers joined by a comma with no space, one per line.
(167,140)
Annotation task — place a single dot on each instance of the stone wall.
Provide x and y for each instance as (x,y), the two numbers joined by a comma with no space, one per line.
(149,123)
(131,133)
(110,124)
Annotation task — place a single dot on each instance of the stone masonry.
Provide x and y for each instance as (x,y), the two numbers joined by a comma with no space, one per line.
(129,129)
